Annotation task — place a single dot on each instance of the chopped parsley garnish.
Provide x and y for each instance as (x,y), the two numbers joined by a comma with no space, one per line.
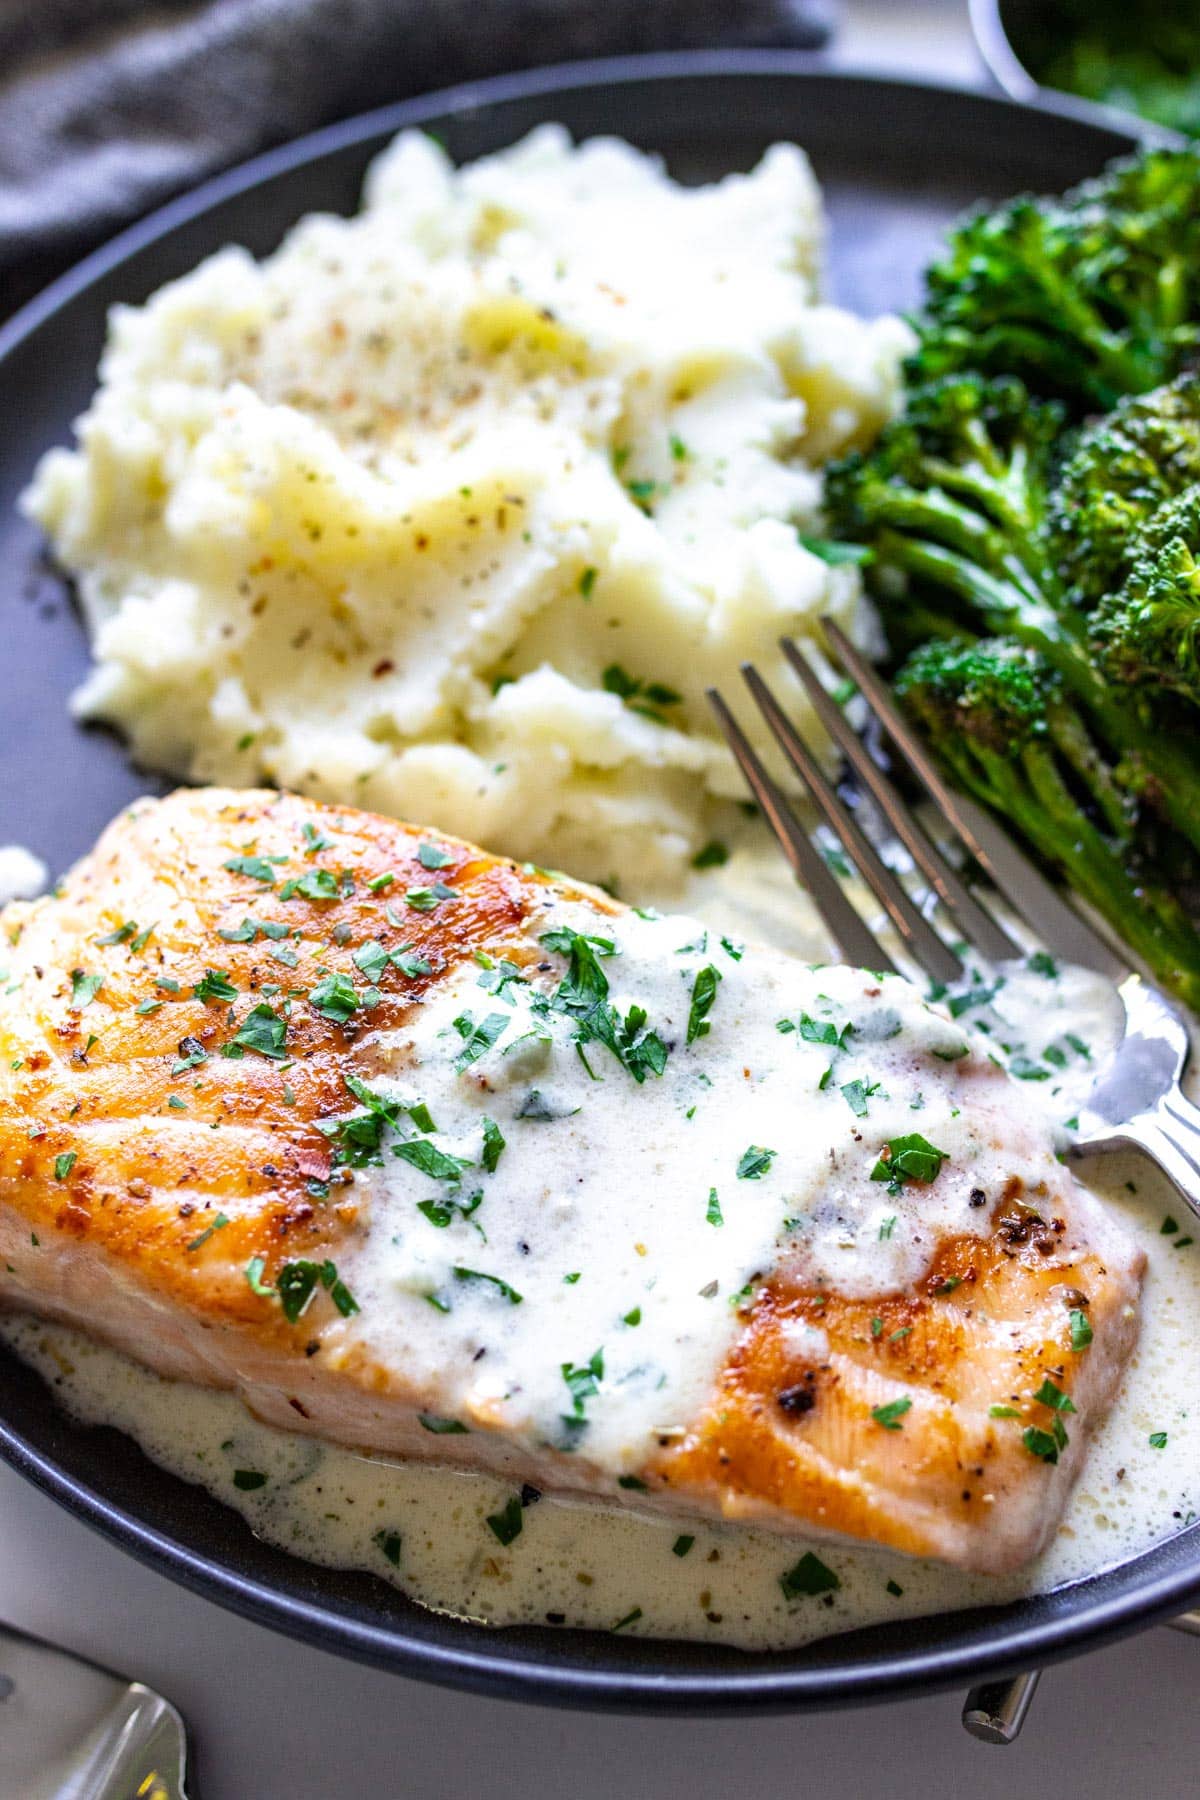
(441,1427)
(424,899)
(389,1542)
(121,935)
(587,582)
(824,1031)
(735,952)
(502,1287)
(372,959)
(1169,1227)
(713,856)
(410,964)
(379,883)
(1026,1070)
(1081,1330)
(430,857)
(254,1276)
(335,998)
(297,1282)
(1042,964)
(249,929)
(442,1212)
(631,1618)
(644,697)
(204,1236)
(583,996)
(215,984)
(425,1156)
(1047,1445)
(809,1577)
(263,1031)
(856,1095)
(318,884)
(583,1383)
(508,1523)
(191,1054)
(84,988)
(633,1317)
(313,839)
(890,1414)
(682,1545)
(714,1214)
(256,867)
(64,1164)
(886,1227)
(1157,1440)
(908,1158)
(493,1144)
(1004,1412)
(754,1162)
(704,992)
(248,1480)
(478,1038)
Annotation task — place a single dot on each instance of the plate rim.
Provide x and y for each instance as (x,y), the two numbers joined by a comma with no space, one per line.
(1013,1644)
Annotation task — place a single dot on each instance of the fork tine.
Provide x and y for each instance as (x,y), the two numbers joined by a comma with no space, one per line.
(976,924)
(856,943)
(1027,890)
(920,939)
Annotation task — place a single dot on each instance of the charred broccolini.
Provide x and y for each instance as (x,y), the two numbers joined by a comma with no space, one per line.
(1040,565)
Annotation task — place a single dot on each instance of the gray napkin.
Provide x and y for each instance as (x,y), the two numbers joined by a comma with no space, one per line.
(108,107)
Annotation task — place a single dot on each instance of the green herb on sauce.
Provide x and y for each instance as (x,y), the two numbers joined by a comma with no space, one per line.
(478,1038)
(502,1287)
(809,1577)
(64,1164)
(1081,1330)
(508,1523)
(713,1213)
(908,1158)
(493,1144)
(441,1427)
(704,993)
(389,1543)
(754,1162)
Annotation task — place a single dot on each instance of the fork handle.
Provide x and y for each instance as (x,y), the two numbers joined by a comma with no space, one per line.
(1169,1134)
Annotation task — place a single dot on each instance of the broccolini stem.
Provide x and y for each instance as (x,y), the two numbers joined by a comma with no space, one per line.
(1152,765)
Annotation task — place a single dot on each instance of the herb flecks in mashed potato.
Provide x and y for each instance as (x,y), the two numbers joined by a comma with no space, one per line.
(372,518)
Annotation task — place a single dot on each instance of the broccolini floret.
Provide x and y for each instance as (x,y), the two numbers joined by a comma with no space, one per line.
(1148,631)
(1008,732)
(1119,469)
(1088,298)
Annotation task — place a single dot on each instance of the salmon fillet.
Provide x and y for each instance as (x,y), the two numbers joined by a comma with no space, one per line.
(437,1156)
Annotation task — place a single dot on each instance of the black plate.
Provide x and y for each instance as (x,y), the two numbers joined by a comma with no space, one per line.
(896,162)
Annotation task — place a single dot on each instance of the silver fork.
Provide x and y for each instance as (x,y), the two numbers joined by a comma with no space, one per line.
(1136,1100)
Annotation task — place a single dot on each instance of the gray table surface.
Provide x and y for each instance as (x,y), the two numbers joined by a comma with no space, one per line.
(271,1718)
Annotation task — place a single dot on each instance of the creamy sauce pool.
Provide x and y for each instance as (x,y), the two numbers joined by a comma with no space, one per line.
(447,1538)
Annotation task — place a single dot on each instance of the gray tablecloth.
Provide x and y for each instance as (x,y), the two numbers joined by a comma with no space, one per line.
(108,107)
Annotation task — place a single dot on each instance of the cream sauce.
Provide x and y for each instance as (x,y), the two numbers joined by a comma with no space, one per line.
(428,1530)
(622,1219)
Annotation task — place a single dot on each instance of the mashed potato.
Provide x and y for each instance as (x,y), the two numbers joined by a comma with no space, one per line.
(453,509)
